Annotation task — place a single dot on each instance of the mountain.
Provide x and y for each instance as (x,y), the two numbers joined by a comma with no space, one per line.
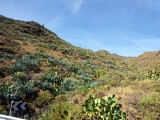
(146,60)
(51,75)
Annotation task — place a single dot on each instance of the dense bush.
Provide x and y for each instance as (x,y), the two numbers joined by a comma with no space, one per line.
(53,61)
(153,73)
(26,63)
(21,76)
(29,87)
(51,81)
(10,92)
(149,107)
(69,85)
(17,91)
(62,111)
(74,68)
(95,108)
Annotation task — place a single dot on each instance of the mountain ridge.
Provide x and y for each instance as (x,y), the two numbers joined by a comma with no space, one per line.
(53,75)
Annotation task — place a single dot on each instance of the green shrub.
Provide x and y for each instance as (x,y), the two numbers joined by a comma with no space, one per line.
(21,76)
(46,85)
(29,87)
(91,84)
(51,77)
(153,73)
(6,56)
(100,72)
(61,111)
(69,85)
(149,106)
(84,76)
(51,81)
(26,63)
(42,54)
(74,68)
(52,46)
(53,61)
(10,92)
(42,100)
(84,54)
(3,111)
(95,108)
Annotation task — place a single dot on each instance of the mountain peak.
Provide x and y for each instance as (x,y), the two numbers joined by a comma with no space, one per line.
(103,52)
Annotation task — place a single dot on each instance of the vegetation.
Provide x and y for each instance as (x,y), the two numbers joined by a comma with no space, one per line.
(149,106)
(52,75)
(153,73)
(95,108)
(51,81)
(26,63)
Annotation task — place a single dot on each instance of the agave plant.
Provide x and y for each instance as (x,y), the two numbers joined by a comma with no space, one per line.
(10,92)
(29,62)
(51,81)
(69,85)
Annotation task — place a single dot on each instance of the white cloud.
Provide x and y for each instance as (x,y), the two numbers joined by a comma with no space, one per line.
(77,5)
(74,5)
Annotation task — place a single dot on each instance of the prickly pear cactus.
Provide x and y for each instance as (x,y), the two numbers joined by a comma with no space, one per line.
(102,109)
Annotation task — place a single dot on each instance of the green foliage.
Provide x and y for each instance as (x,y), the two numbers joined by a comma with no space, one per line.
(44,55)
(92,84)
(6,56)
(21,76)
(95,108)
(42,100)
(149,106)
(47,45)
(61,111)
(84,54)
(10,92)
(3,111)
(74,68)
(153,73)
(16,91)
(51,81)
(29,87)
(100,72)
(51,77)
(84,76)
(46,85)
(69,85)
(53,61)
(26,63)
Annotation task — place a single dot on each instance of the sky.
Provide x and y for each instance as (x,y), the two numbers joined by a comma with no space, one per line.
(124,27)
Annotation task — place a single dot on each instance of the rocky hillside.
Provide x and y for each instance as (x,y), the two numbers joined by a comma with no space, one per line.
(147,59)
(52,75)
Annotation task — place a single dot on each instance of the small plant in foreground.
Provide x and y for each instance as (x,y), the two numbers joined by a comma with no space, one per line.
(149,106)
(95,108)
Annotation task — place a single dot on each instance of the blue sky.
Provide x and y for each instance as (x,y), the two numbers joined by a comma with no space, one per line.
(124,27)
